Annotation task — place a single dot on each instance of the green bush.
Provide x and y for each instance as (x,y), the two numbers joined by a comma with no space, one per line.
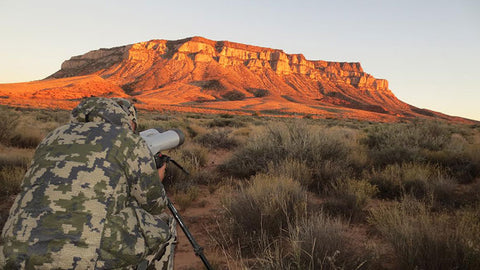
(268,205)
(326,152)
(423,240)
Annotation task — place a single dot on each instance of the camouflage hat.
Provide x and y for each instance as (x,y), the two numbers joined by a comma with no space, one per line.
(128,107)
(117,111)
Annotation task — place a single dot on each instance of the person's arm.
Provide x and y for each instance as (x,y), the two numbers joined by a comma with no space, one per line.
(145,181)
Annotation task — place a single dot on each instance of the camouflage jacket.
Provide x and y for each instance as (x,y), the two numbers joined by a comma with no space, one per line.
(91,198)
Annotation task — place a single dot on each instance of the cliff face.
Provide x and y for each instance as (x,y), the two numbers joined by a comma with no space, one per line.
(202,75)
(226,54)
(198,69)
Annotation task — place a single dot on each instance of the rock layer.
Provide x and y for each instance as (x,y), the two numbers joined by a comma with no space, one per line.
(202,75)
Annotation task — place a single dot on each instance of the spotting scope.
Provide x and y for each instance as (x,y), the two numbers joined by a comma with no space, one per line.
(159,140)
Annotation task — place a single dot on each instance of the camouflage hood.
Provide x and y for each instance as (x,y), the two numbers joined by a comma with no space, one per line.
(116,111)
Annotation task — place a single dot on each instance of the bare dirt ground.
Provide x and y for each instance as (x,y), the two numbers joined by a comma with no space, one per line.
(200,218)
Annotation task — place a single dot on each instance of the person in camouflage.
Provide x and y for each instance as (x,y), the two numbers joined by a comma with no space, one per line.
(92,198)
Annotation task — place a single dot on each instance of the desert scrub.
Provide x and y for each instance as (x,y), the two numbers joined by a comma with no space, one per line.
(185,198)
(175,179)
(194,130)
(58,116)
(226,122)
(425,240)
(397,143)
(419,180)
(320,242)
(463,165)
(24,138)
(8,123)
(316,242)
(292,168)
(193,158)
(326,152)
(425,142)
(11,178)
(218,138)
(349,198)
(194,154)
(268,205)
(13,166)
(16,158)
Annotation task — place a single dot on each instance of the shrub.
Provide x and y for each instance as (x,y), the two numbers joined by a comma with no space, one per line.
(234,95)
(217,138)
(195,130)
(294,169)
(8,122)
(194,154)
(185,198)
(423,240)
(268,205)
(464,166)
(257,92)
(321,243)
(419,180)
(326,152)
(397,143)
(175,179)
(11,178)
(27,139)
(15,160)
(350,198)
(60,117)
(226,122)
(426,142)
(318,242)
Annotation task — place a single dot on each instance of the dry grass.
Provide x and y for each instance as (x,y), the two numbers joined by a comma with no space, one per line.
(419,180)
(185,198)
(349,198)
(218,138)
(267,206)
(325,152)
(425,240)
(8,124)
(10,180)
(425,177)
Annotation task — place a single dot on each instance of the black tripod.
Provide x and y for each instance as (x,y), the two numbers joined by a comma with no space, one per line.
(196,247)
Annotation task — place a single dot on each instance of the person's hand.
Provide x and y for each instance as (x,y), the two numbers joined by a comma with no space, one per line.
(161,172)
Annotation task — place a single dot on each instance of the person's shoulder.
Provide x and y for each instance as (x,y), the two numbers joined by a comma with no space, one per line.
(127,138)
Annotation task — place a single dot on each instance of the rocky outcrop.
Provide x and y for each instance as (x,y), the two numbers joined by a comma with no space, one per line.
(227,54)
(198,69)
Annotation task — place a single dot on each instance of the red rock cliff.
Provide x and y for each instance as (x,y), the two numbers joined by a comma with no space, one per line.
(198,74)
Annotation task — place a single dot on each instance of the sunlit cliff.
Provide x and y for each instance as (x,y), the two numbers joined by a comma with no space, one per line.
(201,75)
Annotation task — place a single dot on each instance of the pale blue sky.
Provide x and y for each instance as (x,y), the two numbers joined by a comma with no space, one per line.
(427,50)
